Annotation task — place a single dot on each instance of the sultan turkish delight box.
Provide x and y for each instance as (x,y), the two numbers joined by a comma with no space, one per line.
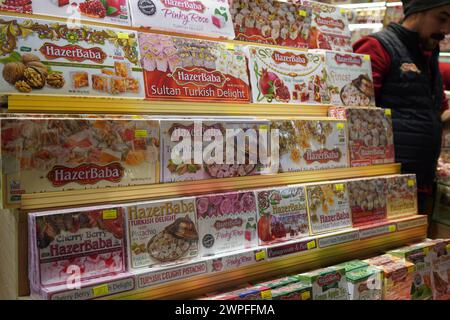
(206,17)
(178,68)
(282,214)
(43,154)
(312,144)
(226,222)
(287,76)
(105,11)
(327,283)
(371,139)
(271,22)
(48,57)
(161,232)
(88,242)
(328,207)
(401,195)
(19,6)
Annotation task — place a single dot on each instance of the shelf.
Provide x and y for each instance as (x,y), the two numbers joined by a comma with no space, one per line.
(188,188)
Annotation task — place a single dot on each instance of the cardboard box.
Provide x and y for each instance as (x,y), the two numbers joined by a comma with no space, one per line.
(401,195)
(327,283)
(294,291)
(365,283)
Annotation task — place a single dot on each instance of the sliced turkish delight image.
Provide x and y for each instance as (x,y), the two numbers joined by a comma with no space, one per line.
(122,69)
(100,82)
(80,79)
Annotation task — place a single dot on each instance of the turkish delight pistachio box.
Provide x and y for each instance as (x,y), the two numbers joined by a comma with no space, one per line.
(312,144)
(226,222)
(367,200)
(188,154)
(327,283)
(271,22)
(352,265)
(210,18)
(282,214)
(287,76)
(440,269)
(88,242)
(328,207)
(371,139)
(104,11)
(398,280)
(365,283)
(17,6)
(43,154)
(294,291)
(162,232)
(48,57)
(401,195)
(189,69)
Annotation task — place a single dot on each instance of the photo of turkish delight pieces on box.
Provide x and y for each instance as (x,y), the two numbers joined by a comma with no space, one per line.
(402,195)
(271,22)
(17,6)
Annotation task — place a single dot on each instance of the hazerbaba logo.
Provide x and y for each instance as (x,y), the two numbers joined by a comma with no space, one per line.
(228,223)
(198,77)
(85,174)
(290,58)
(322,155)
(329,279)
(348,60)
(73,53)
(330,22)
(184,5)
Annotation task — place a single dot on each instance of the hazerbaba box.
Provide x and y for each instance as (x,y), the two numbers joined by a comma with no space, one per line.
(226,222)
(287,76)
(327,283)
(328,207)
(271,22)
(210,18)
(104,11)
(48,57)
(161,232)
(440,269)
(277,283)
(88,242)
(282,214)
(239,153)
(42,154)
(365,283)
(398,280)
(401,195)
(367,200)
(312,144)
(18,6)
(189,69)
(371,139)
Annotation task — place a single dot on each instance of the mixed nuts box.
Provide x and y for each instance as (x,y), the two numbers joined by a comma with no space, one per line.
(327,283)
(48,57)
(401,195)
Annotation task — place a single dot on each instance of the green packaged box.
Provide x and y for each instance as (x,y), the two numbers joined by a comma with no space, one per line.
(365,283)
(276,283)
(352,265)
(327,283)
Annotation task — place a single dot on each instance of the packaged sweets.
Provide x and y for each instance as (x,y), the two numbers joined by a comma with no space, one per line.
(282,214)
(398,280)
(205,18)
(401,195)
(440,269)
(327,283)
(287,76)
(382,260)
(294,291)
(42,57)
(162,232)
(365,283)
(18,6)
(277,283)
(226,222)
(352,265)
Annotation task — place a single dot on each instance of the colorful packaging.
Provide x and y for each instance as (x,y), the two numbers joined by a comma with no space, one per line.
(162,232)
(235,259)
(312,144)
(210,18)
(365,283)
(367,200)
(440,269)
(21,6)
(56,153)
(401,195)
(89,242)
(105,11)
(220,165)
(189,69)
(271,22)
(382,260)
(295,291)
(250,293)
(352,265)
(287,76)
(328,207)
(282,214)
(327,283)
(226,222)
(371,140)
(398,280)
(42,57)
(277,283)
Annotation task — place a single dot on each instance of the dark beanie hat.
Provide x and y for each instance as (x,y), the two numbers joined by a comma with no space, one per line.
(414,6)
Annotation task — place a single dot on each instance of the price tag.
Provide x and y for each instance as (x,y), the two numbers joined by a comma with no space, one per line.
(366,57)
(229,46)
(311,245)
(123,35)
(263,127)
(426,250)
(340,126)
(109,214)
(343,11)
(387,112)
(411,269)
(392,228)
(102,290)
(339,187)
(303,13)
(306,295)
(411,183)
(137,117)
(266,295)
(261,255)
(140,133)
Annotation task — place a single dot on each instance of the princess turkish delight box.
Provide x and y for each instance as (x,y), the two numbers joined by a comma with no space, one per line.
(48,57)
(206,17)
(271,22)
(161,232)
(106,11)
(328,207)
(312,144)
(43,154)
(287,76)
(327,284)
(282,214)
(401,195)
(89,241)
(189,69)
(371,140)
(19,6)
(226,222)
